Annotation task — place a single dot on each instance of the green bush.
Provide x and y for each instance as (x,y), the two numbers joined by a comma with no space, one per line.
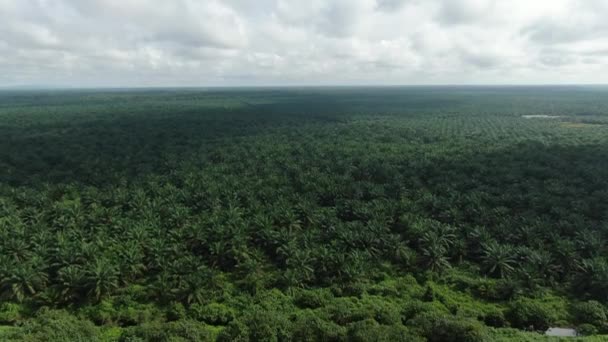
(236,331)
(496,290)
(369,330)
(445,328)
(383,312)
(349,290)
(110,333)
(495,318)
(129,313)
(591,312)
(183,330)
(531,315)
(417,307)
(366,330)
(429,294)
(213,313)
(138,314)
(10,313)
(268,326)
(176,311)
(258,325)
(398,332)
(101,313)
(310,327)
(587,329)
(384,289)
(58,325)
(347,310)
(312,299)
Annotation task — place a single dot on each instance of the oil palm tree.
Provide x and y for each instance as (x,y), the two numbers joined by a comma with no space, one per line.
(21,280)
(498,259)
(70,283)
(592,278)
(434,247)
(101,278)
(434,257)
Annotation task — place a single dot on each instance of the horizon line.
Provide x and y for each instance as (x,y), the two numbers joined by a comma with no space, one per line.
(274,86)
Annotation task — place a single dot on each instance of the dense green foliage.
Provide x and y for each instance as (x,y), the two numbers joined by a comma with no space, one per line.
(380,214)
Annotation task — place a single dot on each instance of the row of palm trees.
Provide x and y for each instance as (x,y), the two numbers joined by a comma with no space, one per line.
(83,252)
(309,202)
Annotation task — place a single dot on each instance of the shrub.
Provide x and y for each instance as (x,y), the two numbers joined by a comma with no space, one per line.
(110,333)
(183,330)
(10,313)
(236,331)
(587,329)
(268,326)
(191,330)
(445,328)
(176,311)
(384,289)
(101,313)
(529,314)
(429,294)
(383,312)
(591,312)
(366,330)
(370,330)
(137,313)
(387,314)
(489,289)
(258,325)
(398,332)
(213,313)
(58,325)
(417,307)
(353,290)
(494,318)
(123,313)
(310,327)
(312,299)
(347,310)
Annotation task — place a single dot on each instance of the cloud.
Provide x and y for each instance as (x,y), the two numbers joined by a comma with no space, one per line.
(454,12)
(241,42)
(390,5)
(191,23)
(573,28)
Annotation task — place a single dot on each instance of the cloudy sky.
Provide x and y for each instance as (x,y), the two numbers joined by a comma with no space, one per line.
(302,42)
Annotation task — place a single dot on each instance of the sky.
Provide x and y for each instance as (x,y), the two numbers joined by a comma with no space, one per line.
(148,43)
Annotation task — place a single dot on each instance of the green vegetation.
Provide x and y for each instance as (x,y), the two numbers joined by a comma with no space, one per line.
(312,214)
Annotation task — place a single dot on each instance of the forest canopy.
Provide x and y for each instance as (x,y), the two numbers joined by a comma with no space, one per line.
(304,214)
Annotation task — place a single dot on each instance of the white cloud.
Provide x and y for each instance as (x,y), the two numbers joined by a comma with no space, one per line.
(242,42)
